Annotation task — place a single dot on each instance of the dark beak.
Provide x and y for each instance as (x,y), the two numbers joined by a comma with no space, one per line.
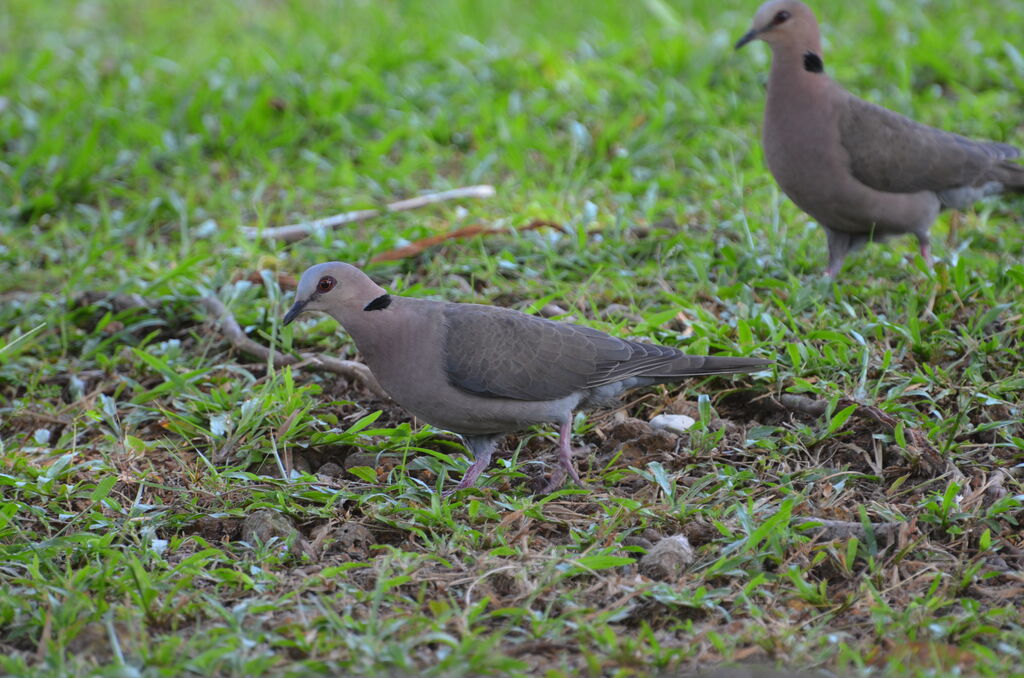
(294,311)
(750,35)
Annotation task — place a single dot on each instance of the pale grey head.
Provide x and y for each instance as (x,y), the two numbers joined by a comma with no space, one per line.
(785,23)
(333,287)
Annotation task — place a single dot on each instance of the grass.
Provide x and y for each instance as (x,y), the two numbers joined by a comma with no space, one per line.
(145,527)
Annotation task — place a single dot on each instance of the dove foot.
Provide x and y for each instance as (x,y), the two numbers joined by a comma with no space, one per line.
(471,475)
(566,467)
(481,447)
(926,254)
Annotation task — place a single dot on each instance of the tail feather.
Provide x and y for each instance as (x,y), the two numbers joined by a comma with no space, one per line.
(606,393)
(696,366)
(1011,176)
(1001,150)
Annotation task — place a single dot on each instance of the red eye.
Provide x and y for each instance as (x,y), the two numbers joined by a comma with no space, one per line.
(326,284)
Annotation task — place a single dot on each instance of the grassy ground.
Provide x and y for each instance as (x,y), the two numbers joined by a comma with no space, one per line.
(145,528)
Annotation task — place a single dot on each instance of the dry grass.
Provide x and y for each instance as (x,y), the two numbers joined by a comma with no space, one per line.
(855,511)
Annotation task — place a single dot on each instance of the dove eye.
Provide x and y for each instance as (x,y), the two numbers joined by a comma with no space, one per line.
(780,17)
(326,284)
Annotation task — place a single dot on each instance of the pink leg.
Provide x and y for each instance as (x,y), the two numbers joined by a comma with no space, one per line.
(565,460)
(565,451)
(926,254)
(481,447)
(473,472)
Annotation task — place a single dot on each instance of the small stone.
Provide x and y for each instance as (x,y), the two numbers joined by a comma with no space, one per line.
(331,470)
(217,528)
(636,540)
(673,423)
(300,464)
(261,526)
(350,539)
(629,428)
(362,459)
(667,560)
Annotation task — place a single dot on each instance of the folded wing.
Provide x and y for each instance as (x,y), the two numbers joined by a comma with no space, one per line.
(501,353)
(895,154)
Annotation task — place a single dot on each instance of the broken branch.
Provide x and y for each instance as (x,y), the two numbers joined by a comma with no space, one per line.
(803,404)
(229,327)
(916,439)
(845,529)
(294,232)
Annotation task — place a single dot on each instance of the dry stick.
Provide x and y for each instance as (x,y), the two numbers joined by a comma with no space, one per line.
(295,232)
(845,529)
(230,329)
(800,403)
(817,408)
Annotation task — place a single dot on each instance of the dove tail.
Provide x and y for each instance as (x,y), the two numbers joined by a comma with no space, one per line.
(690,366)
(1004,151)
(1012,176)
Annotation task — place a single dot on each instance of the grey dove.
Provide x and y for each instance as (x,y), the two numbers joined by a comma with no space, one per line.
(484,371)
(861,171)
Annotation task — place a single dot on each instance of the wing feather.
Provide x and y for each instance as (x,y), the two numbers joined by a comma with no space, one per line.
(892,153)
(502,353)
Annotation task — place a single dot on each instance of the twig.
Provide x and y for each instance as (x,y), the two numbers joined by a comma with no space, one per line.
(817,408)
(118,302)
(916,439)
(230,329)
(294,232)
(33,417)
(845,529)
(803,404)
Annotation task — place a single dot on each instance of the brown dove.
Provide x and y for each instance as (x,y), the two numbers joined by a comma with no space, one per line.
(861,171)
(483,371)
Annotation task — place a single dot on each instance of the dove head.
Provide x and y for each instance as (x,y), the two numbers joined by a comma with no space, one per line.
(336,289)
(788,24)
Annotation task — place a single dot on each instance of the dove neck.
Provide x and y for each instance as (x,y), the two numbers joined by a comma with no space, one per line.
(787,61)
(361,314)
(382,324)
(791,80)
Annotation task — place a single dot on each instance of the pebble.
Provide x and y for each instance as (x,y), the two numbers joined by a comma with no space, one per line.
(673,423)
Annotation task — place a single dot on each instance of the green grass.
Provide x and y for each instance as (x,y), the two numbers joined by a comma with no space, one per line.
(140,454)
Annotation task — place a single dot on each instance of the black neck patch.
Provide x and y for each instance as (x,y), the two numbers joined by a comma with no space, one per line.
(813,63)
(379,304)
